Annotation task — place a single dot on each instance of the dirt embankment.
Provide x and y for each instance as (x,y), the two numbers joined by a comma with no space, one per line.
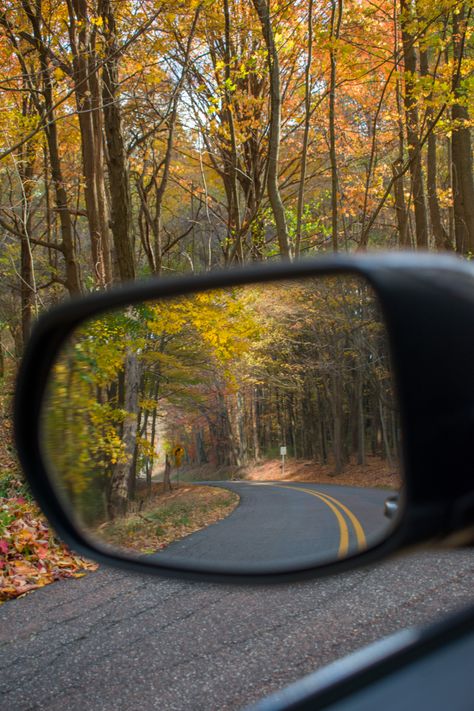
(375,473)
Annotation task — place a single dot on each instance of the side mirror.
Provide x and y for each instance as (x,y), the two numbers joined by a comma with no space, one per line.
(253,424)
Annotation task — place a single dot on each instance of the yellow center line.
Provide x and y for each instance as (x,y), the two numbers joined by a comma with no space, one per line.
(343,528)
(333,503)
(359,531)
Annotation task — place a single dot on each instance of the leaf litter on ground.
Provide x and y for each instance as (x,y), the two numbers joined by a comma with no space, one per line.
(31,555)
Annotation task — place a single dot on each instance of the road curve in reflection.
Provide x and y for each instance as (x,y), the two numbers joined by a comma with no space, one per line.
(277,522)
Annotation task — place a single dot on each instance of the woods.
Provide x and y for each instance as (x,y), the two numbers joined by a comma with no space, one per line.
(224,378)
(154,137)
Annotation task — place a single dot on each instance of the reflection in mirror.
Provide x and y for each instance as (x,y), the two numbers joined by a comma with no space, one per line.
(250,427)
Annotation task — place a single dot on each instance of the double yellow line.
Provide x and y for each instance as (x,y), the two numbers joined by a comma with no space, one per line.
(339,510)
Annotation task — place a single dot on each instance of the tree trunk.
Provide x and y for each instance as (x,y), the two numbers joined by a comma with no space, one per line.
(336,405)
(360,421)
(167,474)
(46,111)
(119,182)
(118,501)
(263,12)
(307,120)
(28,292)
(463,182)
(101,192)
(412,125)
(336,19)
(439,233)
(255,440)
(83,59)
(401,211)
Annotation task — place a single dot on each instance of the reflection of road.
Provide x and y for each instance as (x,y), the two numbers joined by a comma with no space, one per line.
(288,521)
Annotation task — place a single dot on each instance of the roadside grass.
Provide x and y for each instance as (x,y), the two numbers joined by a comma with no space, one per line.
(210,472)
(169,517)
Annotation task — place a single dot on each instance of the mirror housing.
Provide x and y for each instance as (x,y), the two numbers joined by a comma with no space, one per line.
(428,305)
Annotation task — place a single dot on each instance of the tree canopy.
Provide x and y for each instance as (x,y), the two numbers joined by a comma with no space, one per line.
(145,137)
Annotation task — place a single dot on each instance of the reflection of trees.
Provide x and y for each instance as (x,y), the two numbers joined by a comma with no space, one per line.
(229,375)
(124,376)
(336,397)
(317,381)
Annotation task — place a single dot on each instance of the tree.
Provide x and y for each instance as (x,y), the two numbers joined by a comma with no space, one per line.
(262,8)
(463,180)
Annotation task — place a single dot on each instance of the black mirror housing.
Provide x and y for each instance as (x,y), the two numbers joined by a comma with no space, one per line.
(428,306)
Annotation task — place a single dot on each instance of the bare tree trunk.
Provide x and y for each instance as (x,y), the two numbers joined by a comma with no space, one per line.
(73,279)
(336,19)
(234,206)
(439,233)
(27,277)
(463,181)
(307,120)
(401,208)
(412,124)
(253,405)
(101,192)
(45,110)
(263,12)
(119,488)
(119,183)
(336,404)
(360,420)
(383,427)
(167,474)
(83,67)
(398,185)
(150,464)
(441,237)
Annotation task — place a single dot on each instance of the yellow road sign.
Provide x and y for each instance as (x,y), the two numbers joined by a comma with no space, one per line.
(178,453)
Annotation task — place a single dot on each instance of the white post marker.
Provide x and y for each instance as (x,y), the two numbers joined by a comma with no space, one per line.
(283,455)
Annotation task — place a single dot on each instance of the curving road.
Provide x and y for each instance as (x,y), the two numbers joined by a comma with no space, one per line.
(283,523)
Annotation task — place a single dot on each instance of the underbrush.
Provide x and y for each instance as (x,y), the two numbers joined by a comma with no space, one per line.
(169,517)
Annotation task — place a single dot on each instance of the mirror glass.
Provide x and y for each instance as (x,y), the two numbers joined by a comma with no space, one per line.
(247,428)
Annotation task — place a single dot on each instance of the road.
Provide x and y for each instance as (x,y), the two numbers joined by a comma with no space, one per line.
(279,524)
(115,642)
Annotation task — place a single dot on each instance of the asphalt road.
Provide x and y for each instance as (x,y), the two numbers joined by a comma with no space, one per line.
(278,524)
(115,642)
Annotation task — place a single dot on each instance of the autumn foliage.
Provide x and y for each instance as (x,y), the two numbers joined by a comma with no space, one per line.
(30,554)
(223,377)
(159,136)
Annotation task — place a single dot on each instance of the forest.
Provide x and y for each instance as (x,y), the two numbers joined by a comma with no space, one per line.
(154,137)
(224,377)
(160,136)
